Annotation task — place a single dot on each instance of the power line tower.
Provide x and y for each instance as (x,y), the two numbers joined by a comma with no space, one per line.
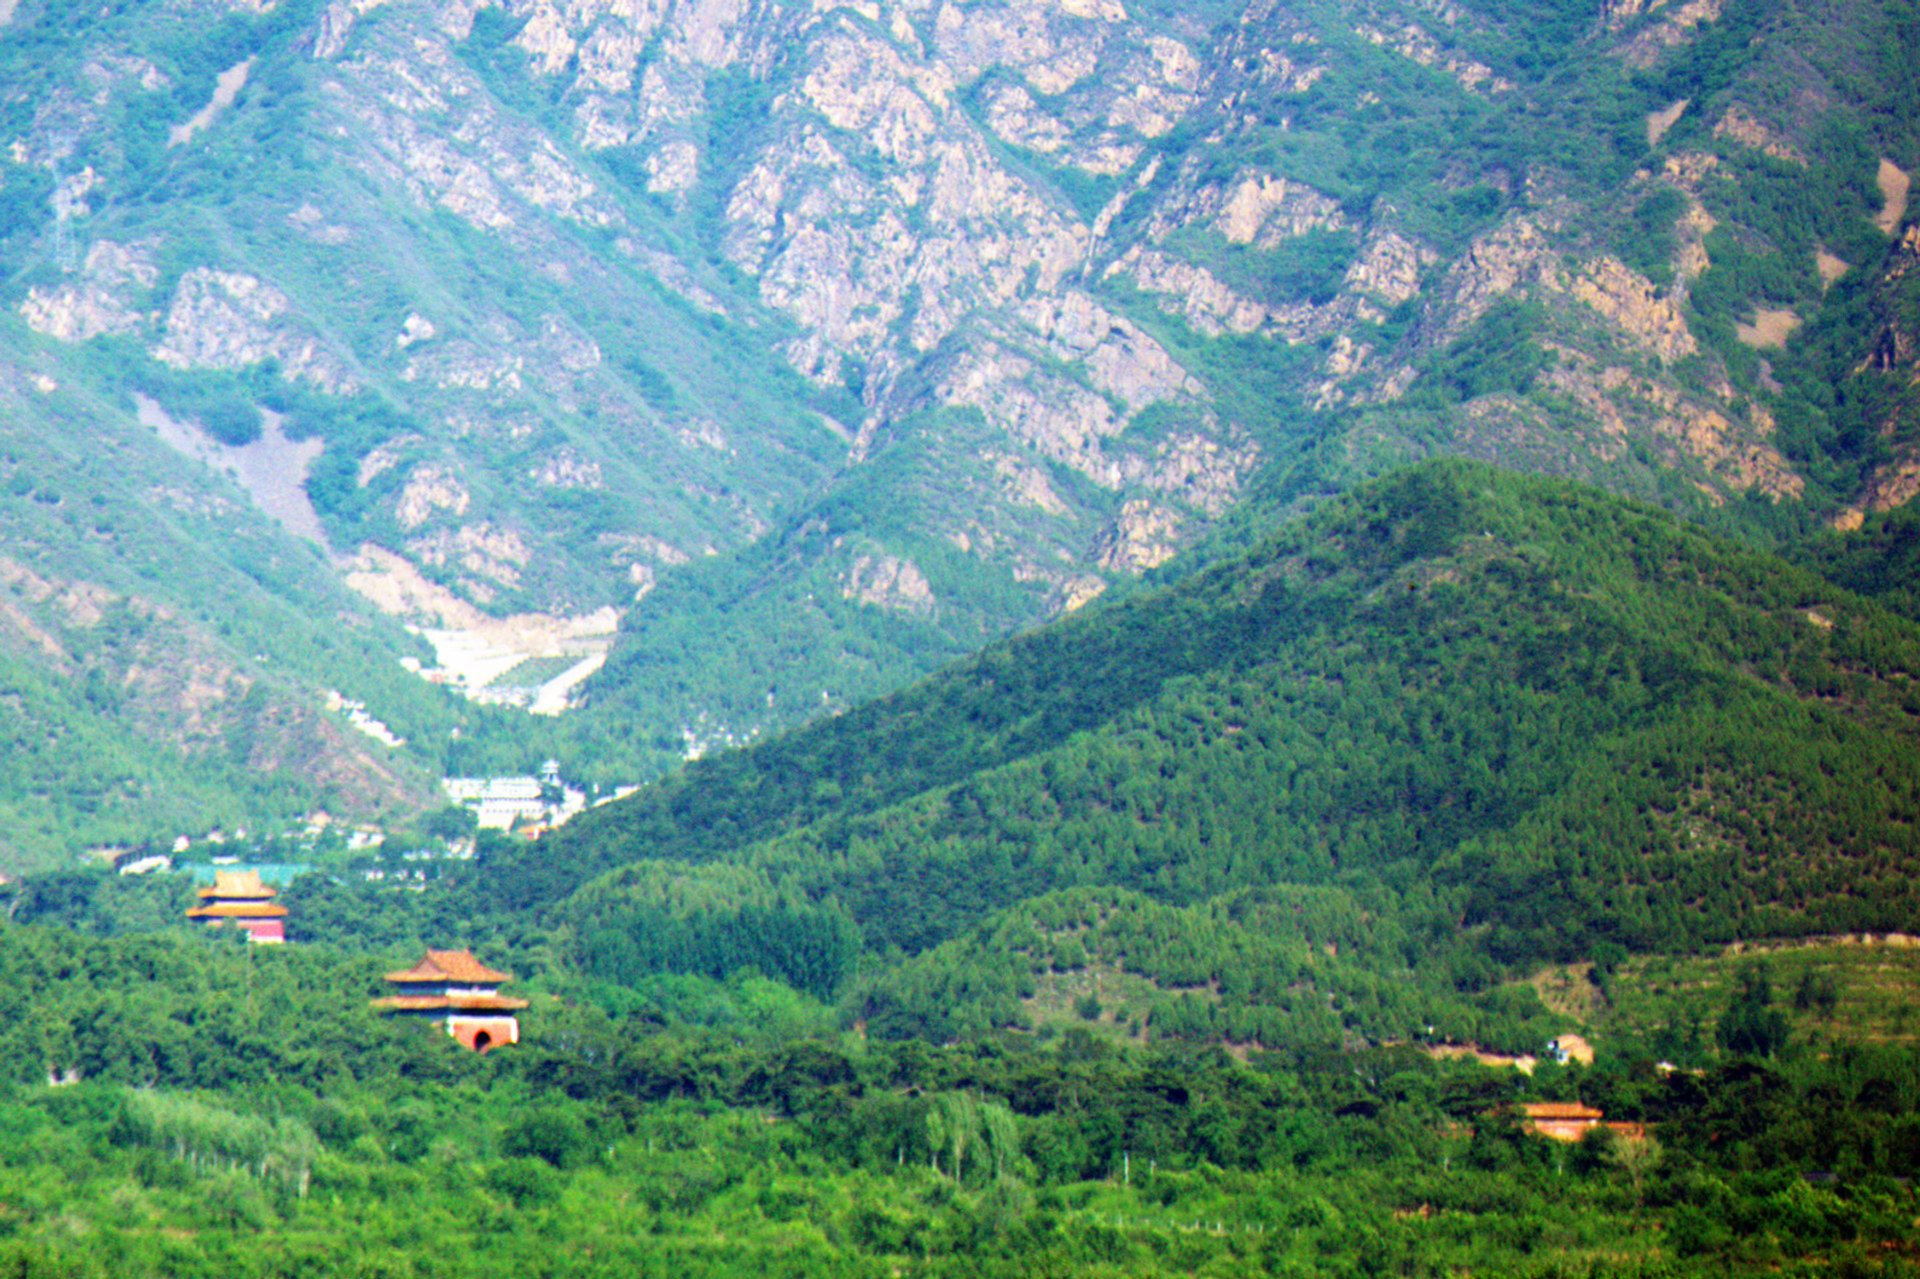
(65,254)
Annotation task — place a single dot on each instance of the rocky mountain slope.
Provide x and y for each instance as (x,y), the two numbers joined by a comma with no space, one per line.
(818,344)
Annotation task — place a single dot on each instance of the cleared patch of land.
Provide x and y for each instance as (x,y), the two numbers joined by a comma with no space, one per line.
(1485,1056)
(1874,985)
(473,651)
(1830,267)
(1893,182)
(1099,997)
(1568,990)
(1658,122)
(272,469)
(1769,329)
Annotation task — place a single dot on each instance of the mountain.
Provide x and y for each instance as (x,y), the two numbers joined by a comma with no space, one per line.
(779,354)
(1455,720)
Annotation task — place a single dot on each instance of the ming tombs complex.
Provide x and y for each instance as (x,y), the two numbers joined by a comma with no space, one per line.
(242,897)
(453,989)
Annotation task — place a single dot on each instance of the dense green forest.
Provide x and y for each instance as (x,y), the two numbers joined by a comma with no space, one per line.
(1508,720)
(187,1105)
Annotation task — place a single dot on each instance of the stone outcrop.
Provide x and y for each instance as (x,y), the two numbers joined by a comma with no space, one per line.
(428,125)
(1254,207)
(1411,42)
(1141,536)
(101,302)
(1743,127)
(1631,302)
(431,489)
(1733,455)
(232,320)
(1673,27)
(1016,245)
(482,551)
(889,582)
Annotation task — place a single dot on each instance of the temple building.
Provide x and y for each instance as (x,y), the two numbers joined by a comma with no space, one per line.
(244,898)
(1571,1121)
(453,989)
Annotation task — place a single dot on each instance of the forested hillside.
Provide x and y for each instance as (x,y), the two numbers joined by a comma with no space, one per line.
(188,1105)
(1508,720)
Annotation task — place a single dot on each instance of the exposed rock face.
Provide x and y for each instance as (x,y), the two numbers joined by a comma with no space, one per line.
(102,302)
(482,550)
(1015,117)
(1389,268)
(567,469)
(418,328)
(230,320)
(1512,256)
(1411,42)
(1387,272)
(1141,536)
(1674,27)
(888,582)
(430,126)
(1631,301)
(1015,247)
(430,490)
(1075,593)
(1027,485)
(1254,208)
(1739,124)
(1894,184)
(1891,486)
(1207,305)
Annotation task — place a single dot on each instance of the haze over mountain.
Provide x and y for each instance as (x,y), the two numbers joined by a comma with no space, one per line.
(816,345)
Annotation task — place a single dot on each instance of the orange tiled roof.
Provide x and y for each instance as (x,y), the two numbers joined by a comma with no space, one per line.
(449,965)
(453,1003)
(1560,1110)
(238,910)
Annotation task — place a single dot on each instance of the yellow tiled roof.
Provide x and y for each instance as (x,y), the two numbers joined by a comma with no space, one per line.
(449,965)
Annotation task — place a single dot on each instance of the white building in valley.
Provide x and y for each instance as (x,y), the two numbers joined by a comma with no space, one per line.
(502,803)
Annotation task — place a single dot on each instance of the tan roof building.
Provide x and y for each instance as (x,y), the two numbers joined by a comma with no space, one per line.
(453,989)
(244,898)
